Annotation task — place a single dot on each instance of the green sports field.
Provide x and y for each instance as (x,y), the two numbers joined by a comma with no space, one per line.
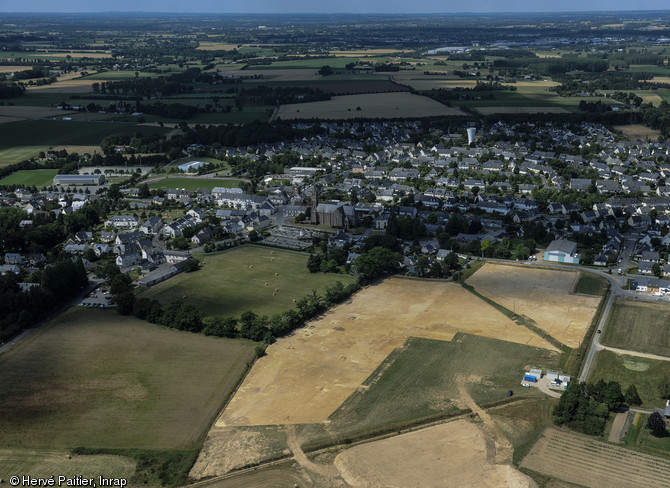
(194,183)
(34,177)
(245,278)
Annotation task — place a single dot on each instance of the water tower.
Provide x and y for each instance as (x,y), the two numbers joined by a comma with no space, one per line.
(471,136)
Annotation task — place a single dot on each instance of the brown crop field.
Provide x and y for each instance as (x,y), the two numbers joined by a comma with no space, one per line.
(13,69)
(338,352)
(93,378)
(456,451)
(545,296)
(343,88)
(636,132)
(376,105)
(521,110)
(589,462)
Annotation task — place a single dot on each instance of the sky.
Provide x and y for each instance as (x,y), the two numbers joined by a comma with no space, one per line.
(321,6)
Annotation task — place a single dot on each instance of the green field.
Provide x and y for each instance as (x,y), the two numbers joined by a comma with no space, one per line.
(640,437)
(233,282)
(194,183)
(93,378)
(35,177)
(42,463)
(643,327)
(645,374)
(590,284)
(18,154)
(418,380)
(70,132)
(335,63)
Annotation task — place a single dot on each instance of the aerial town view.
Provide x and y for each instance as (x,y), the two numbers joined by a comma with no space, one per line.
(363,244)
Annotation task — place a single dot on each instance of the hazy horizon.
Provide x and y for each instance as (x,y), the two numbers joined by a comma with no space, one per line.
(341,7)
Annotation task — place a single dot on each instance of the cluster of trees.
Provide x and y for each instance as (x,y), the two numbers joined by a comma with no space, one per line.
(553,66)
(59,283)
(11,90)
(46,231)
(328,262)
(586,407)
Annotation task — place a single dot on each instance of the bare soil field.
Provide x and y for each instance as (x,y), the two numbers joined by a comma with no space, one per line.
(13,69)
(390,105)
(586,461)
(339,351)
(65,85)
(521,110)
(638,132)
(543,295)
(456,451)
(81,150)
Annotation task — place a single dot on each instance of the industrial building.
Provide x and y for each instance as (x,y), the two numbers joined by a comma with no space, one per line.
(562,251)
(192,166)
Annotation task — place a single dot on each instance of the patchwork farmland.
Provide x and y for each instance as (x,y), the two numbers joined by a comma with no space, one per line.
(589,462)
(375,105)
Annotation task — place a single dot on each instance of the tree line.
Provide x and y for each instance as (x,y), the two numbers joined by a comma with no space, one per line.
(184,316)
(58,284)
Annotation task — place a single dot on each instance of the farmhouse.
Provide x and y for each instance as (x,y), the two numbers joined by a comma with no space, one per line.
(562,251)
(65,180)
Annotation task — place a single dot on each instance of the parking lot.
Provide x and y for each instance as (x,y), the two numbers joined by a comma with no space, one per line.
(98,298)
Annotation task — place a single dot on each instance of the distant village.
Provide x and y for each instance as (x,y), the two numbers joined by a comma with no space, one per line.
(583,195)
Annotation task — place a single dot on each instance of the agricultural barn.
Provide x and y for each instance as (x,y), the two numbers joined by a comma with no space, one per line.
(562,251)
(64,180)
(192,166)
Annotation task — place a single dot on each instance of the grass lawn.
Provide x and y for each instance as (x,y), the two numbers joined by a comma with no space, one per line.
(643,327)
(37,177)
(233,282)
(645,374)
(194,183)
(65,132)
(418,380)
(18,154)
(590,284)
(93,378)
(640,437)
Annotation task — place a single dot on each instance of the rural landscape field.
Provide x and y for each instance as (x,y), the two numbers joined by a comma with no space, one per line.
(325,250)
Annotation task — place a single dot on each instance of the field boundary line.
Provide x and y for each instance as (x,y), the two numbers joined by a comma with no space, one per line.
(519,319)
